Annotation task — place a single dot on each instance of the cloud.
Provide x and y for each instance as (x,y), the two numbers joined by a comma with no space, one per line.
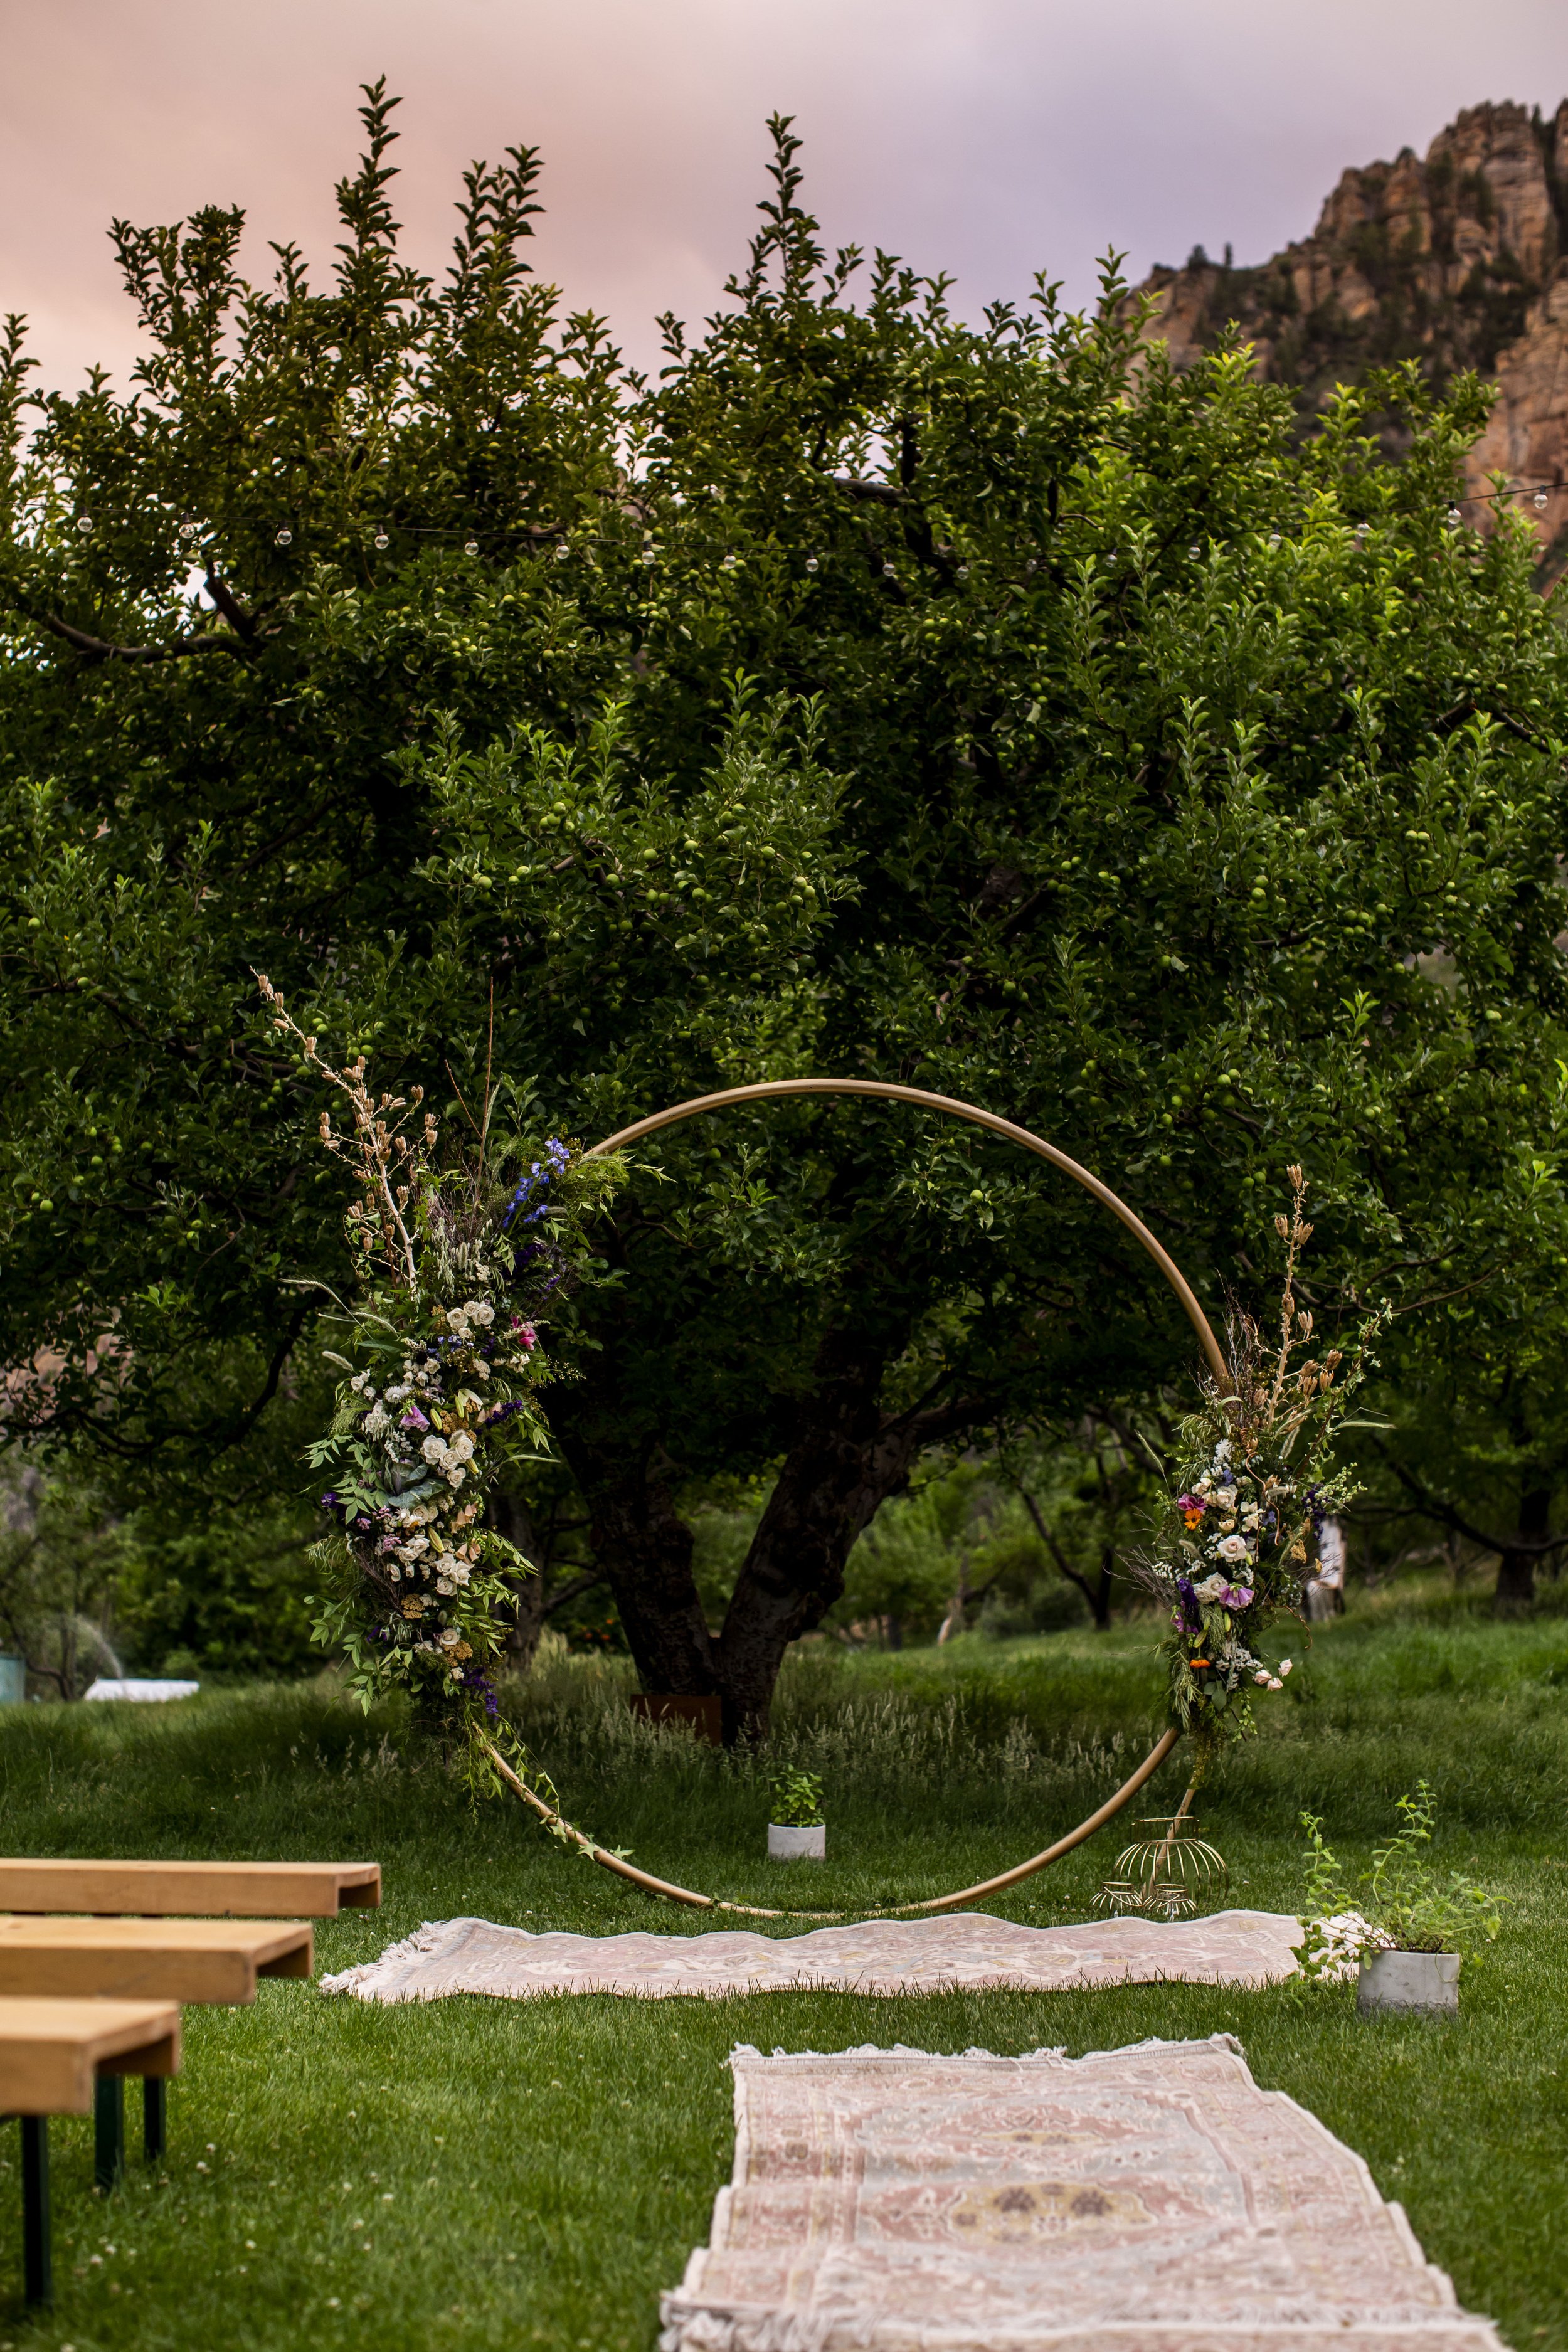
(990,137)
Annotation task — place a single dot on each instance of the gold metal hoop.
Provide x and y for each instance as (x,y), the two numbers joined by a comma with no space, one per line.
(773,1089)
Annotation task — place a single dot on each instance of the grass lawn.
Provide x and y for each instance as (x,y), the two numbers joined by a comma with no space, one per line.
(479,2173)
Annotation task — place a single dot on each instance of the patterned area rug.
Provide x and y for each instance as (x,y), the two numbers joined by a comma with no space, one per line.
(1147,2200)
(881,1956)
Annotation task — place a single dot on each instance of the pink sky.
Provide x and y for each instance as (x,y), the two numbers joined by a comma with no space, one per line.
(986,137)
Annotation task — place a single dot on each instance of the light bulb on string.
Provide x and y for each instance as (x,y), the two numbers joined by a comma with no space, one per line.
(889,571)
(381,540)
(730,563)
(1538,501)
(1273,539)
(650,555)
(812,564)
(84,524)
(561,552)
(284,537)
(1454,517)
(470,547)
(187,530)
(963,570)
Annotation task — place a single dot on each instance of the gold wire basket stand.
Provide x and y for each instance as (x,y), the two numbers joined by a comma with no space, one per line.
(1164,1876)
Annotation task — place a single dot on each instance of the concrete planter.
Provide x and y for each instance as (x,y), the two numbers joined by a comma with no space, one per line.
(1408,1981)
(785,1845)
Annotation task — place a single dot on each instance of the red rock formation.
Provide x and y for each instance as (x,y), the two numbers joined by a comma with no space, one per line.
(1459,261)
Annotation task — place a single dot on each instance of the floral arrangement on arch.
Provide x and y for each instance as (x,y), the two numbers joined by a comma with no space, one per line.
(461,1257)
(1255,1486)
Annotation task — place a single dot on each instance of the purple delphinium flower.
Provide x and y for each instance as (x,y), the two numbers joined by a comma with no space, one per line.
(1192,1612)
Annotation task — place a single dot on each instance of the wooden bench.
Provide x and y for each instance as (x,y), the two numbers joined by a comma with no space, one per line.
(196,1960)
(205,1961)
(53,2054)
(244,1890)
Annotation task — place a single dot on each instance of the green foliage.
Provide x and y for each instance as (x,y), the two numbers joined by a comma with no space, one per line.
(796,1799)
(1407,1903)
(870,692)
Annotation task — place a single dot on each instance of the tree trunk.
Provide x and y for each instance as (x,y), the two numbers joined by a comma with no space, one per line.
(844,1460)
(954,1621)
(645,1550)
(511,1518)
(830,1485)
(1516,1566)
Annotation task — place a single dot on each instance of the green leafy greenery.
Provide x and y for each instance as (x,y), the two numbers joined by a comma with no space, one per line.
(797,1802)
(1412,1907)
(870,692)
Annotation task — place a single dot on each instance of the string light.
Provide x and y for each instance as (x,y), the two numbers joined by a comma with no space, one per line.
(730,563)
(561,552)
(470,547)
(381,540)
(1538,501)
(1455,518)
(187,530)
(84,524)
(963,570)
(285,538)
(889,571)
(650,555)
(812,564)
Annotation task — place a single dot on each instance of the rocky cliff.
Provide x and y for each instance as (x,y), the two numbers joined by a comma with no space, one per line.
(1458,259)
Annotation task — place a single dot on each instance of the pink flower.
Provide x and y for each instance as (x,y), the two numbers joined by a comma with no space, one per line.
(529,1336)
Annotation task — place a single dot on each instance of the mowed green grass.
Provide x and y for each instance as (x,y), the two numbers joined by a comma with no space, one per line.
(480,2173)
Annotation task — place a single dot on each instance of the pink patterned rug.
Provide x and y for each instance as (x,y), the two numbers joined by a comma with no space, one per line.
(1146,2200)
(879,1956)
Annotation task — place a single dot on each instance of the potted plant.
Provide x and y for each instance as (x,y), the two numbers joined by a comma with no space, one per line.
(796,1830)
(1407,1940)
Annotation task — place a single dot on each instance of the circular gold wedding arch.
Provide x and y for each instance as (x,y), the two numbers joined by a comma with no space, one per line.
(778,1089)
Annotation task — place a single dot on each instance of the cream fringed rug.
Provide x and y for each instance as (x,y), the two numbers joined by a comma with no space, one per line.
(1147,2200)
(879,1956)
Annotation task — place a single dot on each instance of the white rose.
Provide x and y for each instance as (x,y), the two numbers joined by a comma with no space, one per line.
(479,1312)
(1231,1548)
(460,1573)
(1283,1666)
(444,1584)
(1211,1588)
(461,1449)
(434,1449)
(448,1637)
(453,1474)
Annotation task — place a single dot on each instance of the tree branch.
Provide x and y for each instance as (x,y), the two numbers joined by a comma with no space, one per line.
(1054,1548)
(1444,1515)
(229,605)
(178,649)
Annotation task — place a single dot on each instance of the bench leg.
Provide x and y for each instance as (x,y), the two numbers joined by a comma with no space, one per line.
(37,2253)
(154,2117)
(109,2133)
